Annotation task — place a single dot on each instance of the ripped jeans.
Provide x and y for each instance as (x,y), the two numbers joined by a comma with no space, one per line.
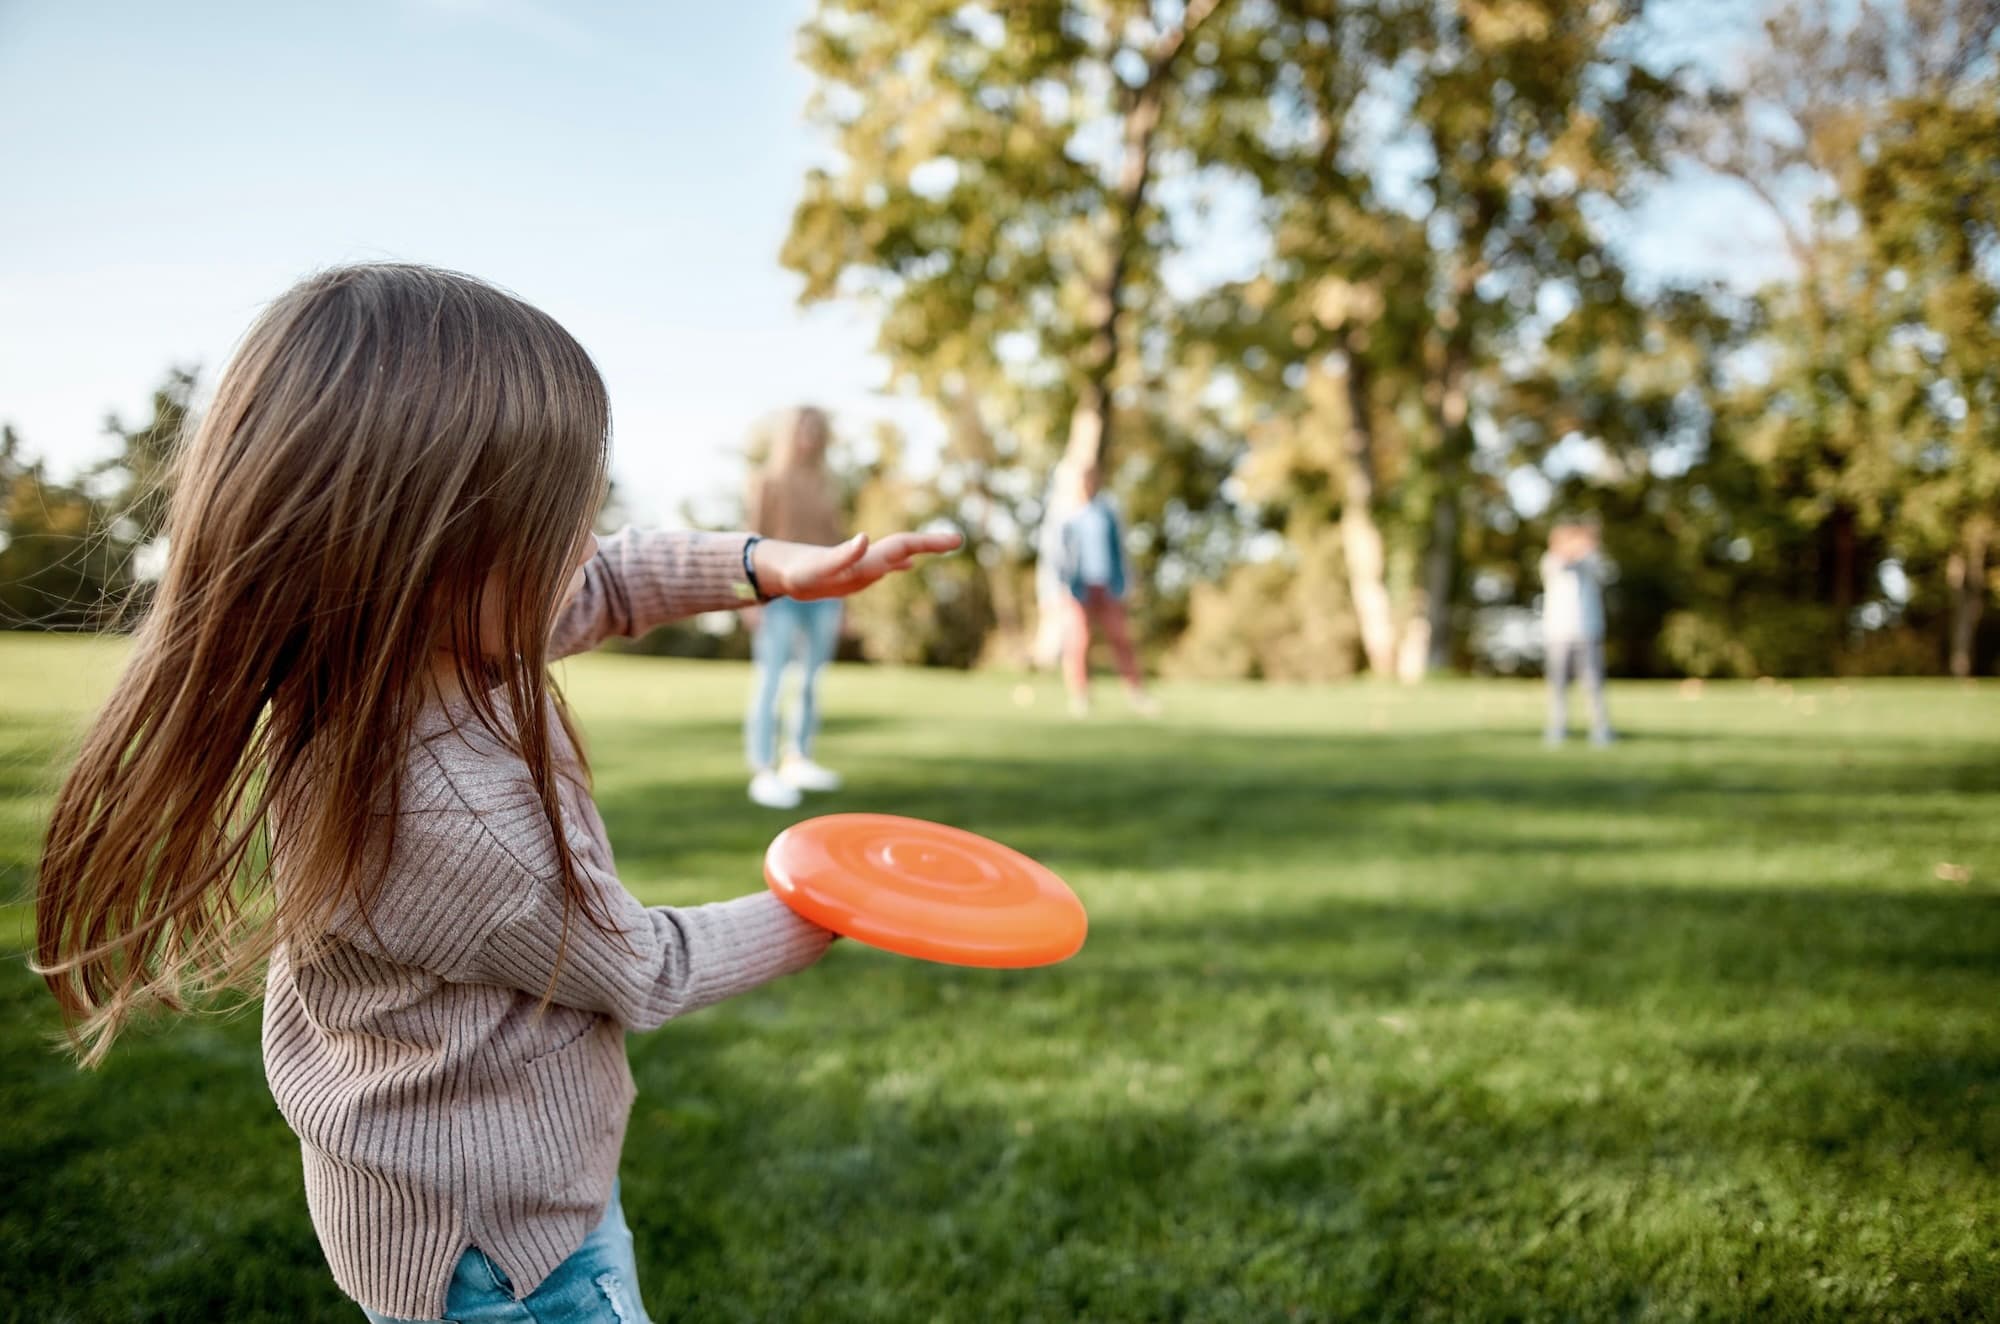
(597,1284)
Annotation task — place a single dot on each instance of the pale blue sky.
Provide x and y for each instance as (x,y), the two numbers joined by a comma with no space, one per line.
(630,167)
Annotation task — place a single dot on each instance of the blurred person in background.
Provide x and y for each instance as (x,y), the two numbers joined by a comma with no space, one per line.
(1573,572)
(791,497)
(1090,566)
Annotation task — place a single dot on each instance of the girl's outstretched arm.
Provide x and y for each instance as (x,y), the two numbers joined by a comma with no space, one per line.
(672,960)
(640,579)
(473,895)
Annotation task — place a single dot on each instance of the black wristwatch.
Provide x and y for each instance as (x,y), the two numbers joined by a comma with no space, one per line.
(750,569)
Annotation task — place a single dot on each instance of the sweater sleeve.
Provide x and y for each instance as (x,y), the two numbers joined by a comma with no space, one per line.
(664,962)
(643,578)
(473,896)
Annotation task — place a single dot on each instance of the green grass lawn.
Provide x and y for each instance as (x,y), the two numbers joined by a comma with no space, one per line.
(1386,1012)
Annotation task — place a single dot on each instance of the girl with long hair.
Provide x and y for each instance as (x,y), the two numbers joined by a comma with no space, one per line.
(337,754)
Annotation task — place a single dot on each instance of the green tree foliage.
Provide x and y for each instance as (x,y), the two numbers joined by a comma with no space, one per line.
(134,481)
(54,573)
(70,552)
(1860,435)
(1422,171)
(1438,259)
(995,197)
(1930,204)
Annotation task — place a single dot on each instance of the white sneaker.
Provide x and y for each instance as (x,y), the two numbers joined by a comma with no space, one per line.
(806,775)
(767,788)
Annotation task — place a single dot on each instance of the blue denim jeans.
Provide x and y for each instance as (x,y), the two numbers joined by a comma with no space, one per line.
(597,1284)
(1582,658)
(805,632)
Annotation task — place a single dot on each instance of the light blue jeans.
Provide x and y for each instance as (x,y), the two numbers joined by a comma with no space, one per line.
(1584,659)
(790,631)
(597,1284)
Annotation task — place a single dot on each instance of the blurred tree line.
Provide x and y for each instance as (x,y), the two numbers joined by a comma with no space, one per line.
(74,555)
(1334,291)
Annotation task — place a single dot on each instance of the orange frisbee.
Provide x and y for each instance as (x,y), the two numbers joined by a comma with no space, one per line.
(925,890)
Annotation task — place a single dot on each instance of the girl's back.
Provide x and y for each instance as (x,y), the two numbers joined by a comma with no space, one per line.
(337,747)
(438,1102)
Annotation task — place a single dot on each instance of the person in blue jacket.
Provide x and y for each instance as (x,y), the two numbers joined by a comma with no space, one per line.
(1091,568)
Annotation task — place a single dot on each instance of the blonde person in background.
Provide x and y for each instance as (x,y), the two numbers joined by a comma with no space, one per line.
(1573,573)
(791,497)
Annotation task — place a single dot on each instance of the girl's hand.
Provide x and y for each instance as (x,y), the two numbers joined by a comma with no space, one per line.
(800,570)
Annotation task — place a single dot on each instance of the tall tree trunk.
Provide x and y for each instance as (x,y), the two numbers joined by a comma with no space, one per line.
(1090,419)
(1441,567)
(1450,358)
(1360,535)
(1842,550)
(1441,556)
(1965,572)
(1413,653)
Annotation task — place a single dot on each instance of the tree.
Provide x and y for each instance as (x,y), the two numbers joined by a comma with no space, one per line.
(1437,194)
(56,570)
(139,473)
(994,197)
(1929,200)
(1418,313)
(69,551)
(1866,134)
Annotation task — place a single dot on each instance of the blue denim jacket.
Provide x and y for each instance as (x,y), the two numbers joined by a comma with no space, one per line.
(1072,553)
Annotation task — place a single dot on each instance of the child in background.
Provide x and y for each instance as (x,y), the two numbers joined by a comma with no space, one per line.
(792,497)
(379,538)
(1573,627)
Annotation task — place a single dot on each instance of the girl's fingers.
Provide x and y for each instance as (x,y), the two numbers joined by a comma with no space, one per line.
(836,561)
(855,564)
(905,546)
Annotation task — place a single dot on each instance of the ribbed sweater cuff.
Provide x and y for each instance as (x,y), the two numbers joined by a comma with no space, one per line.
(669,576)
(753,940)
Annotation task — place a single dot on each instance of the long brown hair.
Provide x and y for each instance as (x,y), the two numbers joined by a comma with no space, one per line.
(384,439)
(791,492)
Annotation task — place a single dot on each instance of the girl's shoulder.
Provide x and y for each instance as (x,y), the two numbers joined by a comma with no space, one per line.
(461,778)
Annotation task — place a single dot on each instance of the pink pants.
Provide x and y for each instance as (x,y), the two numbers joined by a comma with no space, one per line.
(1108,614)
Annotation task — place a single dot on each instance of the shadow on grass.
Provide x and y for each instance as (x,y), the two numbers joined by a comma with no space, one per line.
(761,1185)
(833,1200)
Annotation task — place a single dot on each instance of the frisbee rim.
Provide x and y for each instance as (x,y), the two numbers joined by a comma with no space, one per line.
(799,886)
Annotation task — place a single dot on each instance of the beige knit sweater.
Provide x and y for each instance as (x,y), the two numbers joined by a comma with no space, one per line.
(435,1108)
